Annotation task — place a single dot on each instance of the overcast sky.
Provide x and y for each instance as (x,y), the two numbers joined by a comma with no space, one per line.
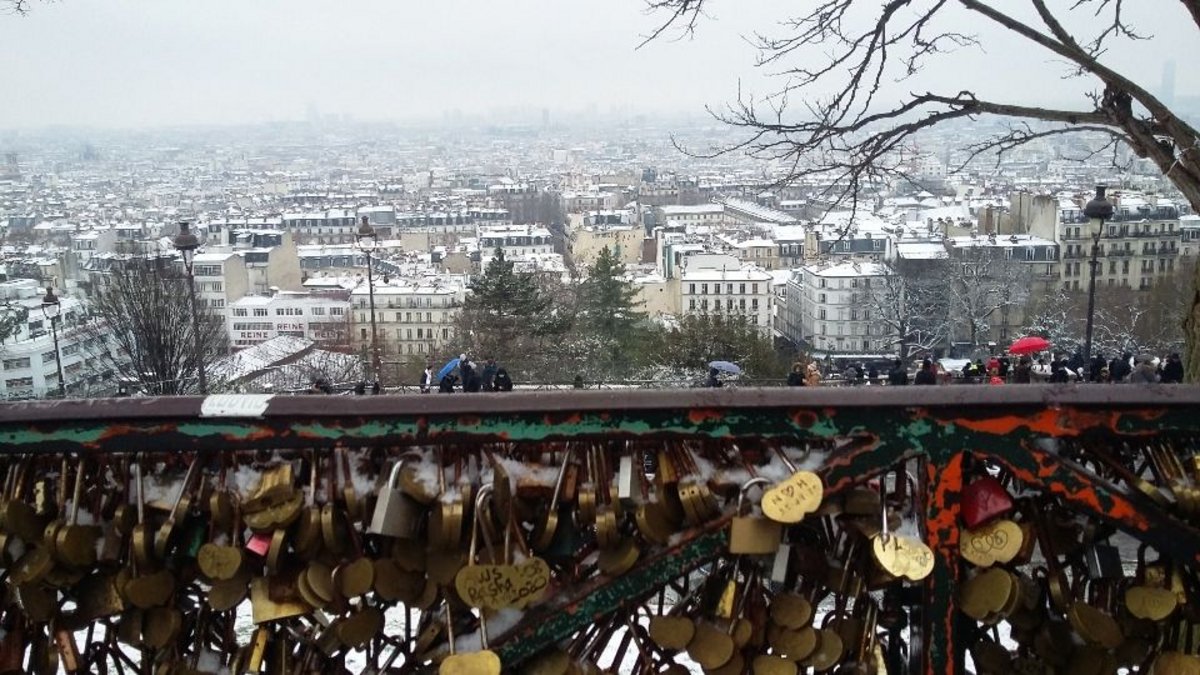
(129,63)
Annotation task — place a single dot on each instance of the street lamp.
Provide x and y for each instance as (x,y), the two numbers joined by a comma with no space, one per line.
(1097,211)
(51,308)
(186,243)
(367,240)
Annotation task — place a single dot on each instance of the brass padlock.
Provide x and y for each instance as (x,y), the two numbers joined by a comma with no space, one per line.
(396,514)
(753,535)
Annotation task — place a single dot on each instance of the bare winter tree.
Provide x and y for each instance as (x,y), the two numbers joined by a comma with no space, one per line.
(910,304)
(851,132)
(144,314)
(984,285)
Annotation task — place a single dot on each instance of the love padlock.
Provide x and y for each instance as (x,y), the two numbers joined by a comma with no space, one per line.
(396,514)
(753,535)
(983,500)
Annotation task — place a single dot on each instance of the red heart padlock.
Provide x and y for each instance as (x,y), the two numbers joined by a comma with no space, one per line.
(983,500)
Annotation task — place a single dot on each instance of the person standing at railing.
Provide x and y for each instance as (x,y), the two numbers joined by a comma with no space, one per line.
(796,377)
(812,376)
(1023,373)
(898,375)
(926,375)
(427,378)
(1172,370)
(489,375)
(503,381)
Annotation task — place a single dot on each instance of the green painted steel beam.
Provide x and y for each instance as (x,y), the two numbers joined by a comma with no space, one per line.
(550,624)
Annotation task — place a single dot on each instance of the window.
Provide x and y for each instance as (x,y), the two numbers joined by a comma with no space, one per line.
(337,311)
(260,311)
(69,350)
(445,333)
(692,289)
(279,311)
(239,311)
(407,317)
(48,357)
(363,333)
(219,303)
(821,297)
(208,270)
(729,289)
(16,364)
(755,289)
(318,311)
(703,289)
(420,333)
(19,382)
(821,314)
(428,317)
(408,334)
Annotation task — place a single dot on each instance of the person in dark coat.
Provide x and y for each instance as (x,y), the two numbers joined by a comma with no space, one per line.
(926,375)
(1172,370)
(446,386)
(1099,364)
(713,380)
(1023,373)
(1120,369)
(503,381)
(1075,363)
(470,378)
(489,375)
(873,374)
(796,377)
(1058,371)
(1005,366)
(898,375)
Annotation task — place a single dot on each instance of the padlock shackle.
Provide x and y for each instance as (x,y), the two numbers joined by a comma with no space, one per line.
(394,475)
(753,482)
(485,492)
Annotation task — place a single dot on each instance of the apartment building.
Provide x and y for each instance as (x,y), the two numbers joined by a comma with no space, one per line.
(836,312)
(414,317)
(1141,244)
(28,359)
(322,318)
(721,284)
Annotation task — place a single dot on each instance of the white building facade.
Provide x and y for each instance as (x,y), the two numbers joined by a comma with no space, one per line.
(721,284)
(28,359)
(837,312)
(324,319)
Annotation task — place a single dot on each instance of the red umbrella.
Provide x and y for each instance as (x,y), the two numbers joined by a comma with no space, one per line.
(1029,345)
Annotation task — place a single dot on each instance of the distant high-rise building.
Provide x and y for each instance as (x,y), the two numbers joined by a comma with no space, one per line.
(1167,88)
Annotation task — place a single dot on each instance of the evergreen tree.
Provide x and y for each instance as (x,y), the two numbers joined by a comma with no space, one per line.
(506,314)
(608,311)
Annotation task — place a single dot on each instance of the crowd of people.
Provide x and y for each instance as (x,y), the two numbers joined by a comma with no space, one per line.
(1055,369)
(471,378)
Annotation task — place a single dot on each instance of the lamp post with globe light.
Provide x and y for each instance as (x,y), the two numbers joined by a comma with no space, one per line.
(1097,212)
(186,243)
(51,308)
(367,240)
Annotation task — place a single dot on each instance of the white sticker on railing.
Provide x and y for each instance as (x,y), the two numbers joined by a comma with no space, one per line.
(235,405)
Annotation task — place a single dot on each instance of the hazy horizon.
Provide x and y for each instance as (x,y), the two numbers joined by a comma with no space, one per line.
(128,64)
